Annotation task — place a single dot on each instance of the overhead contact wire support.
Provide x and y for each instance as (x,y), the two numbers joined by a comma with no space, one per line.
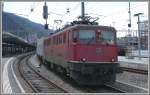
(82,11)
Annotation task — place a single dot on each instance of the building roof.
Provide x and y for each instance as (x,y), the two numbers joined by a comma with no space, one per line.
(13,39)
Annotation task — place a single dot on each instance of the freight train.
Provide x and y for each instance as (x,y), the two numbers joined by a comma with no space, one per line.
(86,53)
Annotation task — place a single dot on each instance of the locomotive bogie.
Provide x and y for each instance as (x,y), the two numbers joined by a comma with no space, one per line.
(93,73)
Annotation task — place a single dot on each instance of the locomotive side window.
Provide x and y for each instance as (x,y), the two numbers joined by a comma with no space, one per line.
(49,41)
(87,36)
(54,40)
(75,36)
(64,38)
(70,37)
(57,39)
(107,37)
(61,39)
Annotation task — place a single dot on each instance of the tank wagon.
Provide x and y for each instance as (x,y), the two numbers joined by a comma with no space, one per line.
(86,53)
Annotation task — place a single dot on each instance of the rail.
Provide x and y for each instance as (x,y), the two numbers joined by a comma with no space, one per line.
(126,88)
(37,82)
(145,72)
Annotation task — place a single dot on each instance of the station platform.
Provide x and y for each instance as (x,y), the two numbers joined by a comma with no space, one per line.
(135,63)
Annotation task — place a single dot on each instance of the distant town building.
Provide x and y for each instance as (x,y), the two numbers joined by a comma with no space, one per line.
(144,34)
(132,39)
(128,40)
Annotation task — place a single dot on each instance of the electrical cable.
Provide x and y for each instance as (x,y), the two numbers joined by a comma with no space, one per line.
(123,11)
(34,8)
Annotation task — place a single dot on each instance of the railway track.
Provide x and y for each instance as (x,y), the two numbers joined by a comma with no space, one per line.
(40,84)
(117,87)
(37,82)
(126,88)
(102,89)
(145,72)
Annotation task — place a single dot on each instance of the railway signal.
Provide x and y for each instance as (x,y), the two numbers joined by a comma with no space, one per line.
(129,25)
(68,10)
(45,15)
(45,11)
(46,26)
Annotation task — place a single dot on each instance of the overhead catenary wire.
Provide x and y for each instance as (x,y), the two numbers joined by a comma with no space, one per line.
(123,10)
(104,16)
(64,15)
(34,7)
(116,13)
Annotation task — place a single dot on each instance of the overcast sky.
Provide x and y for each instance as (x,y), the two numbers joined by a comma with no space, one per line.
(109,13)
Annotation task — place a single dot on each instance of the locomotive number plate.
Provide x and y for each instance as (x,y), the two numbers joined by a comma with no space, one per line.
(99,51)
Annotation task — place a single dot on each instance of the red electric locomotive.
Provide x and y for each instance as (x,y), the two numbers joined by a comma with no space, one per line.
(87,53)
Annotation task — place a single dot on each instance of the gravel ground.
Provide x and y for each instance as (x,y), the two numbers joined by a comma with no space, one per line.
(53,77)
(19,77)
(134,79)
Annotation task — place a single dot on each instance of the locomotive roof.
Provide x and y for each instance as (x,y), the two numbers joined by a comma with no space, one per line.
(82,26)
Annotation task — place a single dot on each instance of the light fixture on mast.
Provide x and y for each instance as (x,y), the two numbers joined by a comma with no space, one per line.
(139,33)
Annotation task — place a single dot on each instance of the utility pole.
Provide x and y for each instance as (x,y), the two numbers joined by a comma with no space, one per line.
(82,11)
(139,34)
(2,3)
(149,34)
(129,25)
(129,35)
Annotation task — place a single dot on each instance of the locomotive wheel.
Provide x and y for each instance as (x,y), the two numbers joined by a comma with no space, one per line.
(59,69)
(51,66)
(68,72)
(44,62)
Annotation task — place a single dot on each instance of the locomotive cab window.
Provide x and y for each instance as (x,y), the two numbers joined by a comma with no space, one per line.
(107,37)
(87,36)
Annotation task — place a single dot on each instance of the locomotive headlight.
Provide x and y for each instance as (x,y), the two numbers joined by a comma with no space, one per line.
(113,60)
(83,59)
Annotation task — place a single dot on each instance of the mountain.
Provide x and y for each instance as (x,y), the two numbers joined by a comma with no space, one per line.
(23,27)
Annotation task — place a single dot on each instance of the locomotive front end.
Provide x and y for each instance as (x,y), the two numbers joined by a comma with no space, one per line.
(94,56)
